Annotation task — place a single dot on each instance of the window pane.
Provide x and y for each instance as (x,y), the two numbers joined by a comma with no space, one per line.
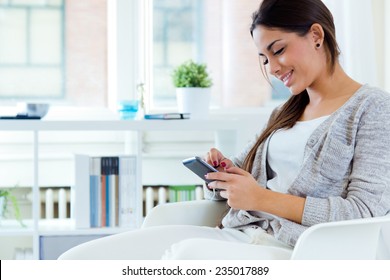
(177,37)
(31,49)
(33,2)
(58,48)
(55,2)
(13,47)
(215,33)
(32,82)
(27,2)
(46,37)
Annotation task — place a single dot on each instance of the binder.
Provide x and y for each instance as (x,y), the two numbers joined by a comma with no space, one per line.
(167,116)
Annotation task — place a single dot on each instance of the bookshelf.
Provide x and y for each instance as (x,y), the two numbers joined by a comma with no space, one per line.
(226,138)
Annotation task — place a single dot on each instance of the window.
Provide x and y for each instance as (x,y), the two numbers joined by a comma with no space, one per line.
(54,50)
(79,53)
(177,37)
(211,32)
(32,61)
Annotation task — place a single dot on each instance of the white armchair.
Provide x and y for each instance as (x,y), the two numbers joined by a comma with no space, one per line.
(353,239)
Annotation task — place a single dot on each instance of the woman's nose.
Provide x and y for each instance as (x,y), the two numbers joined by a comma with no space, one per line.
(274,67)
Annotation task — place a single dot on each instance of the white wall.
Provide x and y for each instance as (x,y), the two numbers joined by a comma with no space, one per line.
(378,9)
(363,34)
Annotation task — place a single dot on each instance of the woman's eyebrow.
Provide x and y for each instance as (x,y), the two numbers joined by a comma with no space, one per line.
(270,46)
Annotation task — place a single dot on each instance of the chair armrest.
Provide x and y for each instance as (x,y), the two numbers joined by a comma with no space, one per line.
(202,212)
(199,212)
(351,239)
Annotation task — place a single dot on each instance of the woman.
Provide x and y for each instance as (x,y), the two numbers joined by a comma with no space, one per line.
(324,155)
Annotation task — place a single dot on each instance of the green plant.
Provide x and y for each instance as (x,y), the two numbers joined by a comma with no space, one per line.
(7,196)
(191,74)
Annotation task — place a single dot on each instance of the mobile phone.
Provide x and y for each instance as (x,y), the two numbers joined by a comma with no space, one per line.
(199,167)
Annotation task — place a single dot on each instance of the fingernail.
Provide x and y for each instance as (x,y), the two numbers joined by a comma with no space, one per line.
(207,175)
(223,164)
(215,163)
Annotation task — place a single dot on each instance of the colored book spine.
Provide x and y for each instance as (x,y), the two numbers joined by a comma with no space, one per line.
(113,191)
(103,191)
(95,186)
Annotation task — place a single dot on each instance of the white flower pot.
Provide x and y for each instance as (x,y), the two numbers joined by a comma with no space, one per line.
(195,101)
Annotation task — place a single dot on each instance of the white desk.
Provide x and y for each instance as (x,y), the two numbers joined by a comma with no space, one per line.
(226,138)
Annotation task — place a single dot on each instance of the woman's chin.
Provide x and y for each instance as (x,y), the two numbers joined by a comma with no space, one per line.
(296,90)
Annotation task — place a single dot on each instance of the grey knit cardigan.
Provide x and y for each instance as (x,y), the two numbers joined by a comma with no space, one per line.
(345,173)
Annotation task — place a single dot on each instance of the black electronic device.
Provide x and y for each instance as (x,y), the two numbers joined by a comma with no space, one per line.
(199,167)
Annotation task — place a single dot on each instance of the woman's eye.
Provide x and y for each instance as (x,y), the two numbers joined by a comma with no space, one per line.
(265,61)
(279,51)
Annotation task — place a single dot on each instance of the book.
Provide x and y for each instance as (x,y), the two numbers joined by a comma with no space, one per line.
(113,191)
(167,116)
(105,191)
(81,192)
(95,191)
(128,190)
(181,193)
(20,117)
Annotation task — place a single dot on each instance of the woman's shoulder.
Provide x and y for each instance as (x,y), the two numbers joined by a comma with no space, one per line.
(368,102)
(374,94)
(368,99)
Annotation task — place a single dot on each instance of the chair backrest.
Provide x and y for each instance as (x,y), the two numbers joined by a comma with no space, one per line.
(351,239)
(384,243)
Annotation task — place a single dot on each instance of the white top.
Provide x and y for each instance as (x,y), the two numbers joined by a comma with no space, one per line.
(285,153)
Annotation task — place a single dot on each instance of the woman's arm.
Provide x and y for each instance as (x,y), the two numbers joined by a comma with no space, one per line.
(243,192)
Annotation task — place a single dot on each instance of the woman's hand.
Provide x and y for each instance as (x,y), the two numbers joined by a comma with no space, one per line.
(243,192)
(238,186)
(218,160)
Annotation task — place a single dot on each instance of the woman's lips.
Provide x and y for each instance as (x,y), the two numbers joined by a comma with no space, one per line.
(286,79)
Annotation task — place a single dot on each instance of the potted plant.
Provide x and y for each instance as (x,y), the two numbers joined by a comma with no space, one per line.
(193,83)
(7,197)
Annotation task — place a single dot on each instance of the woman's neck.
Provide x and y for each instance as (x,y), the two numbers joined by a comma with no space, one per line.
(329,93)
(332,86)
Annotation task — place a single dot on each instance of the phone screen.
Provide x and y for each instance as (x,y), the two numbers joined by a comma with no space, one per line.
(199,167)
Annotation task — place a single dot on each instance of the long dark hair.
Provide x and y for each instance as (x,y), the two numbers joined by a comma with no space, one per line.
(293,16)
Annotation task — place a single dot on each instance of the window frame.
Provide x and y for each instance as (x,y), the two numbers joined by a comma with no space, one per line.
(125,46)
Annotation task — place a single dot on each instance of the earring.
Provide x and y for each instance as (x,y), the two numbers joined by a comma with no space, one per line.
(318,45)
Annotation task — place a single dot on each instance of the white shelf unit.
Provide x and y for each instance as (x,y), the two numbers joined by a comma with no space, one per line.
(226,138)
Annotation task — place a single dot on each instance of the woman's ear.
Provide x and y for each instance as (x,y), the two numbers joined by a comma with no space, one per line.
(317,35)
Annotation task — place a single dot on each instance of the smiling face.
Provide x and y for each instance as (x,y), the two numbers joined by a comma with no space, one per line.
(295,60)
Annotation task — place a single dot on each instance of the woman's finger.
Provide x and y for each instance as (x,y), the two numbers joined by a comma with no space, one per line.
(218,176)
(236,170)
(224,194)
(217,185)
